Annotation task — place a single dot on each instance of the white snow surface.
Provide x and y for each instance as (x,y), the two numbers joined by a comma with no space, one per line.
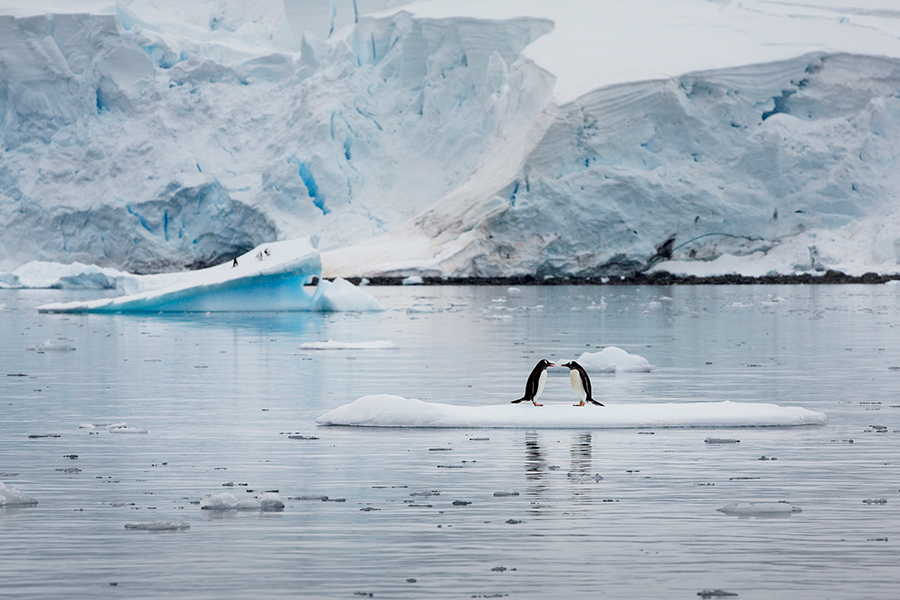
(384,410)
(10,496)
(579,137)
(612,359)
(269,277)
(333,345)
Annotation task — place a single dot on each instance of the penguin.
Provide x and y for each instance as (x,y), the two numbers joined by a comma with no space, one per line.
(535,384)
(581,383)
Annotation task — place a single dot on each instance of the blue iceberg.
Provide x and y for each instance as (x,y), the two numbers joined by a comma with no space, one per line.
(270,277)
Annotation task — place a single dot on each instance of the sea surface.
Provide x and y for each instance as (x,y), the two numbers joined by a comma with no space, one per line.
(229,404)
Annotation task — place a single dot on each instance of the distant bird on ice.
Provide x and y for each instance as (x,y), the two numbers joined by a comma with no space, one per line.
(581,383)
(535,384)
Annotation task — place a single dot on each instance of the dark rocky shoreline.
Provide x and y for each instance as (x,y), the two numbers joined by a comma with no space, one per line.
(826,278)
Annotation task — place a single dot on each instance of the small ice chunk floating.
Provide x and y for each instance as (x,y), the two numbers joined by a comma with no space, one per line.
(10,496)
(270,277)
(385,410)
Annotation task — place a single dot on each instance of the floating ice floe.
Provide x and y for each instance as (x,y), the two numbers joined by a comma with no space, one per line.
(386,410)
(612,359)
(274,283)
(124,428)
(751,509)
(159,526)
(333,345)
(266,501)
(49,346)
(10,496)
(412,280)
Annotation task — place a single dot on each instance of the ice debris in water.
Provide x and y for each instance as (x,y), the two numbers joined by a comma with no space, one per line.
(124,428)
(412,280)
(875,501)
(10,496)
(333,345)
(267,501)
(159,526)
(49,346)
(716,594)
(759,508)
(712,440)
(612,359)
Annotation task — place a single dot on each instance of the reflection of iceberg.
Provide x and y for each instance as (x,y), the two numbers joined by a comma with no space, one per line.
(394,411)
(268,278)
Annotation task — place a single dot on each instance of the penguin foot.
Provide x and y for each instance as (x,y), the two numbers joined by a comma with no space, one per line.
(579,404)
(536,404)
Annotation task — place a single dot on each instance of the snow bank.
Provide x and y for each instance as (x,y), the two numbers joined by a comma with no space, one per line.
(269,277)
(612,359)
(333,345)
(385,410)
(10,496)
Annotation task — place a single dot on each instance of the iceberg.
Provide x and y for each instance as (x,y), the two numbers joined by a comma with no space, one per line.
(384,410)
(270,277)
(612,359)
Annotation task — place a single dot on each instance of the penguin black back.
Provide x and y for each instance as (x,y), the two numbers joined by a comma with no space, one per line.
(535,383)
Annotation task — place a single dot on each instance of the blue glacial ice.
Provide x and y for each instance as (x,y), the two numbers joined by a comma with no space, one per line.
(270,277)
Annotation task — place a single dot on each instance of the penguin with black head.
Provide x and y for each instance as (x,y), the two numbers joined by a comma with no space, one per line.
(581,383)
(535,384)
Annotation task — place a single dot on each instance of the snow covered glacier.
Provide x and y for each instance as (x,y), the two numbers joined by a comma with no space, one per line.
(453,138)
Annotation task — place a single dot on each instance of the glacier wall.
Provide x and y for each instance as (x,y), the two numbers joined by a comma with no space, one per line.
(732,161)
(406,144)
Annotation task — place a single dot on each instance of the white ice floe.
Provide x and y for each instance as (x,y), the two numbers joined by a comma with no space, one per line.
(266,501)
(751,509)
(612,359)
(412,280)
(10,496)
(249,283)
(386,410)
(159,526)
(86,426)
(333,345)
(49,346)
(124,428)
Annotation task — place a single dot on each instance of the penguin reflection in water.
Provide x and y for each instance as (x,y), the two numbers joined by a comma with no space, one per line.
(535,384)
(581,383)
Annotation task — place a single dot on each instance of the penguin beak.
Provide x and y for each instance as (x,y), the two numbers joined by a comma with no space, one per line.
(551,365)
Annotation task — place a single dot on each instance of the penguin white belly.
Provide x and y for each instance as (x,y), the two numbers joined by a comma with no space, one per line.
(575,377)
(541,381)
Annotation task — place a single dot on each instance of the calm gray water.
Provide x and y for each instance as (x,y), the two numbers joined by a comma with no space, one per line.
(219,395)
